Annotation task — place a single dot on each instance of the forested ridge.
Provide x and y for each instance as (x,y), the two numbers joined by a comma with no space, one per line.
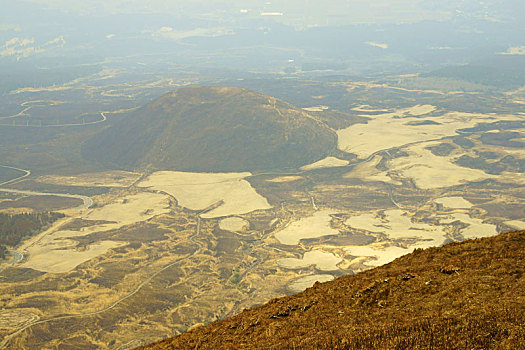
(14,227)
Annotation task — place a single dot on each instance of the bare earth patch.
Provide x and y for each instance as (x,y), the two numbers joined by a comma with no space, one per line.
(64,256)
(115,178)
(454,202)
(57,251)
(406,126)
(397,225)
(368,108)
(476,227)
(302,283)
(429,171)
(328,162)
(197,191)
(130,209)
(517,224)
(322,260)
(316,108)
(282,179)
(234,224)
(314,226)
(367,171)
(379,253)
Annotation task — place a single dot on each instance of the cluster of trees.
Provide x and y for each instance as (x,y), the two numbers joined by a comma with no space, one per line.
(13,228)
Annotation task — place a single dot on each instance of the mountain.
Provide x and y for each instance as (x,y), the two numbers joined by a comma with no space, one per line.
(467,295)
(213,129)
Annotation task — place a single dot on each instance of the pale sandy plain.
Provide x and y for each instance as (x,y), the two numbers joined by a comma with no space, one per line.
(322,261)
(368,108)
(516,224)
(234,224)
(328,162)
(430,171)
(368,171)
(396,129)
(56,250)
(198,191)
(314,226)
(302,283)
(397,225)
(427,170)
(282,179)
(476,227)
(115,178)
(454,202)
(376,254)
(319,108)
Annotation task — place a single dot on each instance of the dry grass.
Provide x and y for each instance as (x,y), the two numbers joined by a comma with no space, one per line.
(454,202)
(516,224)
(229,192)
(468,295)
(282,179)
(234,224)
(322,260)
(314,226)
(57,251)
(328,162)
(115,178)
(302,283)
(401,127)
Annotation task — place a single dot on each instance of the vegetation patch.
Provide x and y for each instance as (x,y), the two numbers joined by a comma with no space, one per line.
(13,228)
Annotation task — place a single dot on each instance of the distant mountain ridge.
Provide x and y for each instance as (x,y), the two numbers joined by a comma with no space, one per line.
(213,129)
(466,295)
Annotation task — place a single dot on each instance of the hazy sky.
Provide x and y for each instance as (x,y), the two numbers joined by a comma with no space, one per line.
(103,28)
(316,11)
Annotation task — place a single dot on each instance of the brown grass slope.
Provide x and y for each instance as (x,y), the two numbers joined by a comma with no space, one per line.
(213,129)
(468,295)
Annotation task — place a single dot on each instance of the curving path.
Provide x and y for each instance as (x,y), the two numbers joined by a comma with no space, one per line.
(27,125)
(88,202)
(26,174)
(6,340)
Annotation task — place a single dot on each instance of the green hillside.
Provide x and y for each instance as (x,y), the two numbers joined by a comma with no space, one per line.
(213,129)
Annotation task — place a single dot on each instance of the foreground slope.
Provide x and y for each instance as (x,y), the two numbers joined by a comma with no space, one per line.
(213,129)
(468,295)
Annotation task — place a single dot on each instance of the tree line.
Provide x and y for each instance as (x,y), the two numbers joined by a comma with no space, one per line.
(14,227)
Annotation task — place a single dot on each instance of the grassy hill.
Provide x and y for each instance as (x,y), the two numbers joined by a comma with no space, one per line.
(468,295)
(213,129)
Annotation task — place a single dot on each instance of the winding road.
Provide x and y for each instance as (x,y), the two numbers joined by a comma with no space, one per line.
(26,174)
(6,340)
(87,202)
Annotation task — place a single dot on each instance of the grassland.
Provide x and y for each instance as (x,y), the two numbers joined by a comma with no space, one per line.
(163,251)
